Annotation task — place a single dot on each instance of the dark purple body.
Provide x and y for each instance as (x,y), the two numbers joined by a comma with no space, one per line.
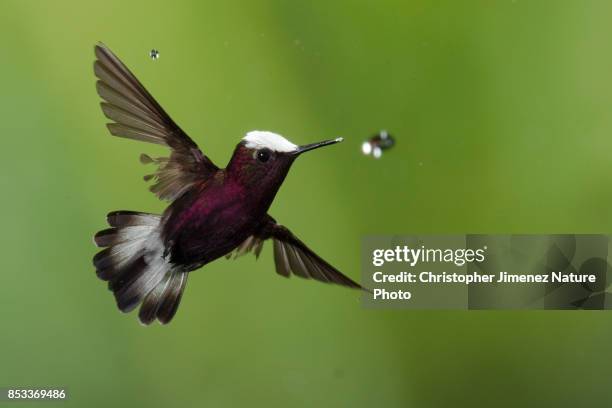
(208,222)
(213,218)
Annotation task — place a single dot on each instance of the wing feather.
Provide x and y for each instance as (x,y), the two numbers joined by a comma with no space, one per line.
(137,115)
(293,257)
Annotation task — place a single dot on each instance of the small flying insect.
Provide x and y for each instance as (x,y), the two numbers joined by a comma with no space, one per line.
(154,54)
(376,144)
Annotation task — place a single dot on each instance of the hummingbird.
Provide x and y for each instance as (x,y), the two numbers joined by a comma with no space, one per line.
(212,212)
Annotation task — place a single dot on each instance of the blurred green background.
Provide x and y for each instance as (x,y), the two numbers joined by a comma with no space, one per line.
(502,112)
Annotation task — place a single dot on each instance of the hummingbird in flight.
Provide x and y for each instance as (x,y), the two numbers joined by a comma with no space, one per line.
(213,212)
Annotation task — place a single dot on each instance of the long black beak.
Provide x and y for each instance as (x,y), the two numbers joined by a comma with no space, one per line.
(313,146)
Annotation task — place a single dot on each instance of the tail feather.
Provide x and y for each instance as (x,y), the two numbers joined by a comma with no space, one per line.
(114,236)
(131,218)
(172,298)
(134,265)
(151,302)
(111,262)
(132,293)
(163,301)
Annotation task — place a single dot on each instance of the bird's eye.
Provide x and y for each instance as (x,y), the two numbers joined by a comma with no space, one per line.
(263,155)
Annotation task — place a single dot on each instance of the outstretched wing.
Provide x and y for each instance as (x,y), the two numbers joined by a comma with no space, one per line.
(292,256)
(136,115)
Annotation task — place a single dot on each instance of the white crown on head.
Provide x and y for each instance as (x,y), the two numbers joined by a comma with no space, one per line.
(258,139)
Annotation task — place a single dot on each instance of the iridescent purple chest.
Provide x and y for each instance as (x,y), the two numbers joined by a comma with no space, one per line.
(208,223)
